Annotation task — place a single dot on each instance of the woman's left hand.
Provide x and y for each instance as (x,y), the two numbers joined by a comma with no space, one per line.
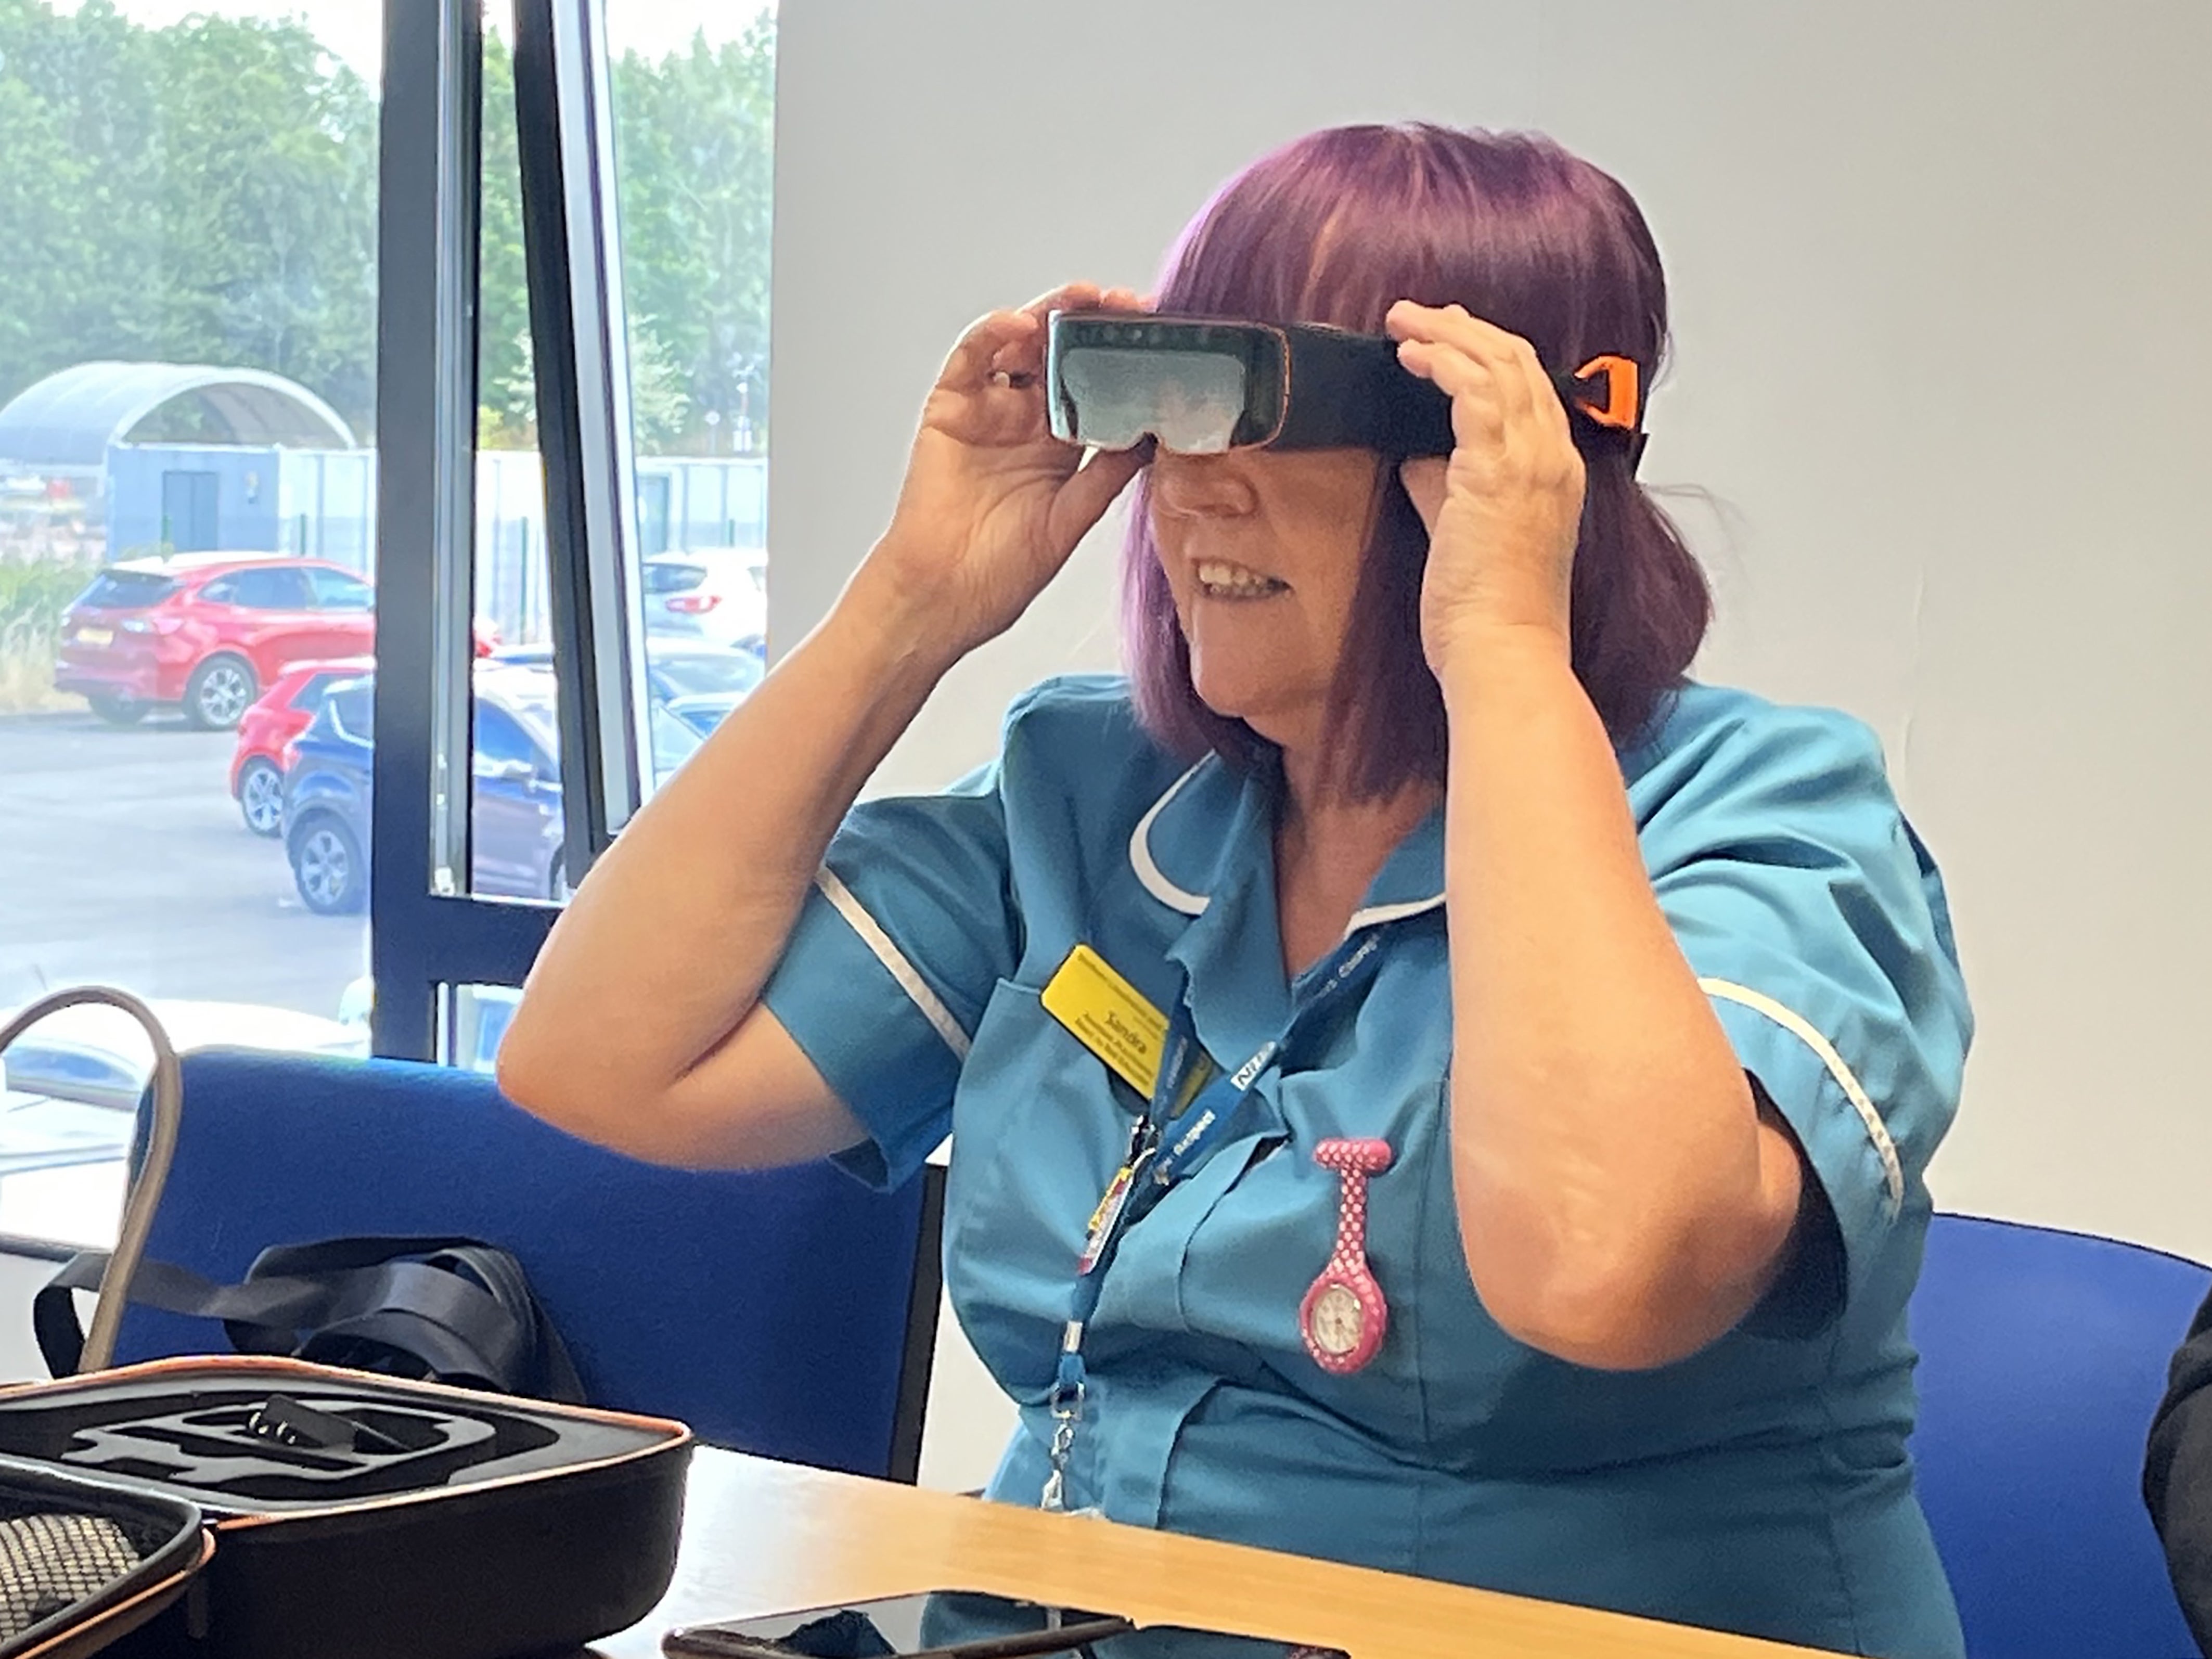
(1504,512)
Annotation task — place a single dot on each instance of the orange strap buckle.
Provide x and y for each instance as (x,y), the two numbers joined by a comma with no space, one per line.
(1622,406)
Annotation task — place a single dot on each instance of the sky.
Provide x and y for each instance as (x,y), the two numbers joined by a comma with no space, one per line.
(354,30)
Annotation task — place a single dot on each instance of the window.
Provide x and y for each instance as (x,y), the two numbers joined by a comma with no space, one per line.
(684,115)
(703,673)
(500,740)
(693,96)
(664,576)
(271,590)
(309,697)
(188,358)
(350,711)
(126,590)
(336,591)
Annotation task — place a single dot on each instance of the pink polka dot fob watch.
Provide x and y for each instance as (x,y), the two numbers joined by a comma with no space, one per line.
(1343,1314)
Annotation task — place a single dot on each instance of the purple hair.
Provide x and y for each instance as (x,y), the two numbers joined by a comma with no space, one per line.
(1337,227)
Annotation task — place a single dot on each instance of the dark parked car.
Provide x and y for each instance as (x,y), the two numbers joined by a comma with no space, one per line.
(257,764)
(516,837)
(696,682)
(699,684)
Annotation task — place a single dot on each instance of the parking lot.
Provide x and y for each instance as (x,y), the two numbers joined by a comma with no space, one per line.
(123,861)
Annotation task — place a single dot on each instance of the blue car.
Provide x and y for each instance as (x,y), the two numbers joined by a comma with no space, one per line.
(696,682)
(517,832)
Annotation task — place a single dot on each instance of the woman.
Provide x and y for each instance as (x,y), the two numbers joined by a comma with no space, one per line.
(1634,999)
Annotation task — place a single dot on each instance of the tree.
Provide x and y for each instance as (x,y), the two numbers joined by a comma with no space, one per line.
(206,193)
(695,154)
(201,193)
(507,394)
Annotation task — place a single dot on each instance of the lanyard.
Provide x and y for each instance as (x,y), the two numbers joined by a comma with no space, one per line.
(1188,1116)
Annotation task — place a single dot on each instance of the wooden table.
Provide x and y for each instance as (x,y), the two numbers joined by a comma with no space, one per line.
(760,1537)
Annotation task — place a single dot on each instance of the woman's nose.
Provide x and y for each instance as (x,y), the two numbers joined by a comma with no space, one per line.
(1201,486)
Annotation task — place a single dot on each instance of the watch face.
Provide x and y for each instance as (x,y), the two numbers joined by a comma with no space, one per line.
(1336,1320)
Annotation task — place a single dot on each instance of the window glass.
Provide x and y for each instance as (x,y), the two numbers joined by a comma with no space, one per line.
(185,184)
(223,590)
(673,576)
(500,738)
(514,836)
(693,90)
(284,589)
(126,590)
(313,690)
(351,710)
(477,1018)
(673,740)
(678,673)
(693,86)
(336,591)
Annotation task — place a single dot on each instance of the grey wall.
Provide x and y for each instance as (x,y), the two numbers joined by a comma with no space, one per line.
(1940,274)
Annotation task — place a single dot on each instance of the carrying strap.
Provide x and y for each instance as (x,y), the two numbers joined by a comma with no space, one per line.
(451,1310)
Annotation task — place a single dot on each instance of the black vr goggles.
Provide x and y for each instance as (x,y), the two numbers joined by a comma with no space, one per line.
(1204,386)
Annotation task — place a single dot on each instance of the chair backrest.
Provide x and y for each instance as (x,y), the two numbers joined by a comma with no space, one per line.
(2043,1357)
(790,1312)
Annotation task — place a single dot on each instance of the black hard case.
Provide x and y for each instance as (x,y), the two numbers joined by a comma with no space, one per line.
(515,1527)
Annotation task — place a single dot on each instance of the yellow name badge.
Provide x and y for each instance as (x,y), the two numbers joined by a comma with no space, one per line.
(1109,1016)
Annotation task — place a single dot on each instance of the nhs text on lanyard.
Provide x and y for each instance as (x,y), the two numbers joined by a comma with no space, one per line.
(1192,1107)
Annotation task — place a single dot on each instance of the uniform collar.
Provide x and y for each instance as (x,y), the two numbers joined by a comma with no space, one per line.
(1189,844)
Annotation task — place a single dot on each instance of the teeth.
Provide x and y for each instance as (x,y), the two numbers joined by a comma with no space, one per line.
(1220,578)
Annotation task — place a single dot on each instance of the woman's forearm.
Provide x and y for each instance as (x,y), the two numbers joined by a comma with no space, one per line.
(1620,1200)
(664,951)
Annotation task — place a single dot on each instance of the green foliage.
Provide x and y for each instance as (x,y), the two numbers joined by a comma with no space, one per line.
(694,149)
(33,597)
(206,193)
(201,193)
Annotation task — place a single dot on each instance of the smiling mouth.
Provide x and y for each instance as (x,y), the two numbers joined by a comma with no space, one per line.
(1219,579)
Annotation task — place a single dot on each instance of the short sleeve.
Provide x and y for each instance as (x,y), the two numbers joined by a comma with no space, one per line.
(1816,924)
(909,924)
(2176,1481)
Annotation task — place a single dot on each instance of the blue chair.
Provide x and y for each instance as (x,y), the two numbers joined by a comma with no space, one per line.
(2043,1358)
(791,1313)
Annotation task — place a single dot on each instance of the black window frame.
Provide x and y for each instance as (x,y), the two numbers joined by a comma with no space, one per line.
(429,940)
(428,935)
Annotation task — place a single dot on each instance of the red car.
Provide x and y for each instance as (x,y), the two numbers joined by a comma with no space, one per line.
(257,764)
(207,630)
(210,631)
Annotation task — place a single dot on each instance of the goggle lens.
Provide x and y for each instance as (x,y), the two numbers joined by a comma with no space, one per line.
(1189,401)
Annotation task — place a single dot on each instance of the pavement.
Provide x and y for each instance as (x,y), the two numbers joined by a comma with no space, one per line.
(124,862)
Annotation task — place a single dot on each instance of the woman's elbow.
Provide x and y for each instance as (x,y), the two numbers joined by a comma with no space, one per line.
(1623,1303)
(532,1074)
(1610,1321)
(594,1109)
(546,1076)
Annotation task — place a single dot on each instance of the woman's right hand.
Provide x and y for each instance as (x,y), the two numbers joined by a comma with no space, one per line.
(993,504)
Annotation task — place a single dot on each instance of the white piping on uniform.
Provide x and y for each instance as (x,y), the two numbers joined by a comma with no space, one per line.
(1379,913)
(1148,872)
(1893,1173)
(910,980)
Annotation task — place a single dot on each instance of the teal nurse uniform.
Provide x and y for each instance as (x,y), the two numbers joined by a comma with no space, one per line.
(1761,1485)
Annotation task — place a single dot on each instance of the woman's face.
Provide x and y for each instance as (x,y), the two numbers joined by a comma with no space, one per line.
(1262,552)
